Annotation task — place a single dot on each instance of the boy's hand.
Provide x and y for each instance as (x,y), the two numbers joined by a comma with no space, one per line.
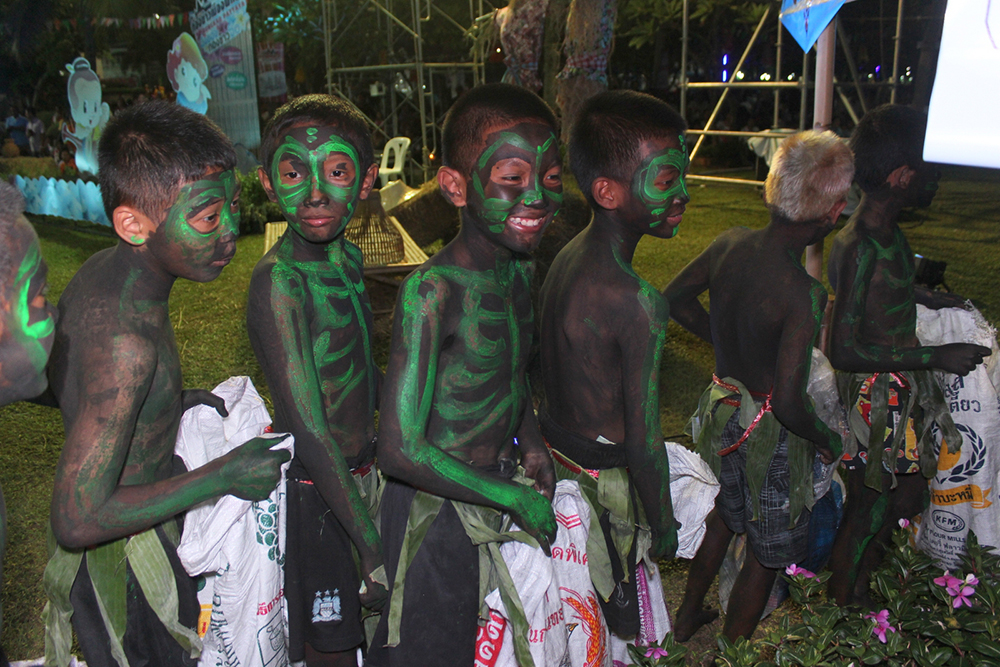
(253,470)
(665,541)
(534,515)
(373,594)
(936,299)
(958,358)
(538,466)
(835,449)
(193,397)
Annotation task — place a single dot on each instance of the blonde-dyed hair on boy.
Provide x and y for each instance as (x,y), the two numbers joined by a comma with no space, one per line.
(811,172)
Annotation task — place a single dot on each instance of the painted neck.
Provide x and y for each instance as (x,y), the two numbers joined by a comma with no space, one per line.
(481,252)
(608,229)
(878,210)
(307,251)
(152,281)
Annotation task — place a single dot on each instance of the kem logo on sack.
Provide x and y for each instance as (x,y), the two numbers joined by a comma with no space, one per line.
(948,522)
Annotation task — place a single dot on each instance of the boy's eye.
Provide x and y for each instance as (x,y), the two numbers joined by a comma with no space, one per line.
(338,168)
(511,171)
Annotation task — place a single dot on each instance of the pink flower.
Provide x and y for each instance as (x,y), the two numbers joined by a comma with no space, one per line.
(794,570)
(963,591)
(881,624)
(656,652)
(904,523)
(947,581)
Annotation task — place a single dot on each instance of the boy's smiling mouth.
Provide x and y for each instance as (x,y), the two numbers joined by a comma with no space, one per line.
(525,222)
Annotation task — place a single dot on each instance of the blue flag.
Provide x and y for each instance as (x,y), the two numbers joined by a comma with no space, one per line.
(806,19)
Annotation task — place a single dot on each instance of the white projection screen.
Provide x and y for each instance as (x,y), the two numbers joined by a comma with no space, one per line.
(963,122)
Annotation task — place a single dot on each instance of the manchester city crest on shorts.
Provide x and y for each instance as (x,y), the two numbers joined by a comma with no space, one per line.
(326,606)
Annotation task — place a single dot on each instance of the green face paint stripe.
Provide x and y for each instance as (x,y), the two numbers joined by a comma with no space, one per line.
(292,196)
(29,266)
(511,138)
(222,186)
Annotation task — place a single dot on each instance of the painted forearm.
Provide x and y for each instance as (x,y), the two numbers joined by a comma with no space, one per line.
(80,519)
(331,476)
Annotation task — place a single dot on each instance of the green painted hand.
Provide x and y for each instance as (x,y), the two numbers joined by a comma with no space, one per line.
(533,513)
(252,470)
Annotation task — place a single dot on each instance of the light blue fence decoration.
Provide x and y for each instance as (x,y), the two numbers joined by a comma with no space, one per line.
(76,200)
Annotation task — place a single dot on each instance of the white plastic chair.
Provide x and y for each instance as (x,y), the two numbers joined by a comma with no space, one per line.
(394,151)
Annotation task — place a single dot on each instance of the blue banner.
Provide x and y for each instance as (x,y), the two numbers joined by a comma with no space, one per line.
(807,19)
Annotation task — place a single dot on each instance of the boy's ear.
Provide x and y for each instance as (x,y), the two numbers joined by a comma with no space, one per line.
(607,193)
(132,225)
(369,182)
(900,177)
(453,186)
(834,214)
(265,182)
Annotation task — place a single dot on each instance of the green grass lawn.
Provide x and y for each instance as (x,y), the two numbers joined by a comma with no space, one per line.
(960,228)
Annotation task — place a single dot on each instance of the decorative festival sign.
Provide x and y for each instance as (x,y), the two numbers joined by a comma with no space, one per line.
(187,71)
(90,114)
(271,70)
(217,22)
(220,28)
(807,19)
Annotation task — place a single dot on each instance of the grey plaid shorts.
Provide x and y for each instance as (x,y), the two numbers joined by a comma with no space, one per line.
(774,544)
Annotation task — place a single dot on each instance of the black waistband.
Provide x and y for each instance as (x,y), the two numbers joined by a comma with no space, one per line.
(583,451)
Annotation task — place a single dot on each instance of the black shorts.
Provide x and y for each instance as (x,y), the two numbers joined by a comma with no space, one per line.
(441,594)
(321,578)
(774,544)
(147,641)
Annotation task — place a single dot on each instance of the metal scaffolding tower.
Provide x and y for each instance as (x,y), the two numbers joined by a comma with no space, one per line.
(402,22)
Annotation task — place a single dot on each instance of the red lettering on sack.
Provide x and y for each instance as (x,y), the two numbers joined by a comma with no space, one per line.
(264,608)
(489,640)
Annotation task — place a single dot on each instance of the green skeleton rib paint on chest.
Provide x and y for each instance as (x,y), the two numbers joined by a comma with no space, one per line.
(312,154)
(644,182)
(491,331)
(335,291)
(495,210)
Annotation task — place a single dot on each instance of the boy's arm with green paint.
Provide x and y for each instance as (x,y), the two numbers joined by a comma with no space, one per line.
(278,326)
(420,329)
(108,380)
(641,342)
(850,350)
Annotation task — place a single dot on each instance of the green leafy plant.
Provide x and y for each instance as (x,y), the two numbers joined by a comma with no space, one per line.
(256,209)
(921,615)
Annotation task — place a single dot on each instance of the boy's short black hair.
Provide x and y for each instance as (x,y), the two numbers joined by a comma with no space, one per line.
(888,137)
(607,133)
(150,150)
(320,110)
(482,108)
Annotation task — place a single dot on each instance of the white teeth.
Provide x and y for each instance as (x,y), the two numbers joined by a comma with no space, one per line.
(526,222)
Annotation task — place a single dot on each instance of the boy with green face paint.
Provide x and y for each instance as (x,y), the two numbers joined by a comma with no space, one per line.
(602,334)
(885,375)
(755,425)
(310,325)
(27,321)
(169,188)
(456,416)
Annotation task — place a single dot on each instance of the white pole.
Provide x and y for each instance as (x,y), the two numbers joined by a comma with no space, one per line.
(822,115)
